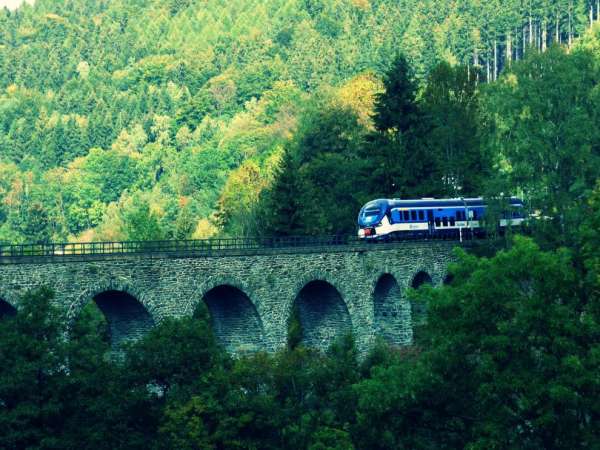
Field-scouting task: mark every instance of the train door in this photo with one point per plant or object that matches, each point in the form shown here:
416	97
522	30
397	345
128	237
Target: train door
430	221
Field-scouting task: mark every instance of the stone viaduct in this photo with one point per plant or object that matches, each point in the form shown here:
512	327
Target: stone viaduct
250	295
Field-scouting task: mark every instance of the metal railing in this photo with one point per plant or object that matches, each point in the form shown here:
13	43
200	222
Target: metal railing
198	247
203	247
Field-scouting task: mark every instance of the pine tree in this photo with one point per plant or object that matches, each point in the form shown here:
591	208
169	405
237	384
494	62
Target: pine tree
395	108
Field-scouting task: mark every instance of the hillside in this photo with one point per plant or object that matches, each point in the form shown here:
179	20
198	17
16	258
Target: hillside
149	119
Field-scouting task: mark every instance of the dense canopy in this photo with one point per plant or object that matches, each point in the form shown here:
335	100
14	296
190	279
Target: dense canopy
167	119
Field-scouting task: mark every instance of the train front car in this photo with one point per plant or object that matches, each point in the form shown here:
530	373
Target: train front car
385	219
371	218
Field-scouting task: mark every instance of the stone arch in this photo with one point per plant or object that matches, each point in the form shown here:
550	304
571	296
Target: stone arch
322	313
392	315
234	318
125	308
301	282
6	309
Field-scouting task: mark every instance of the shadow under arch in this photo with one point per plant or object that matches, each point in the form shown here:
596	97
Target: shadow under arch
322	313
6	309
448	279
127	318
419	309
234	318
420	279
392	315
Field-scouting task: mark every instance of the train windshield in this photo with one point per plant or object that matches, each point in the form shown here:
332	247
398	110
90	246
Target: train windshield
372	212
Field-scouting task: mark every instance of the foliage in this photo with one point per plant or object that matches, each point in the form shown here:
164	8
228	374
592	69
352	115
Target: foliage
508	358
186	102
315	191
540	117
509	362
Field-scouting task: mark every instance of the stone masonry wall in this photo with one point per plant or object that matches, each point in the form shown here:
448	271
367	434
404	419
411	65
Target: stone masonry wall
261	289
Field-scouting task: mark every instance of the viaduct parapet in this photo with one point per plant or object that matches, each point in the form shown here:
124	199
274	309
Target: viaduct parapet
250	295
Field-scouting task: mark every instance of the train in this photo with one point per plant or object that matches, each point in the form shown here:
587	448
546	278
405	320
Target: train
387	219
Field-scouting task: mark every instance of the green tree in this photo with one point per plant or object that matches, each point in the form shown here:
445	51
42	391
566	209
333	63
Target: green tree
399	163
509	361
31	374
142	224
540	121
395	108
317	190
450	106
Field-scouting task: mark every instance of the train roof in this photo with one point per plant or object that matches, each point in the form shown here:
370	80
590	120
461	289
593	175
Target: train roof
442	202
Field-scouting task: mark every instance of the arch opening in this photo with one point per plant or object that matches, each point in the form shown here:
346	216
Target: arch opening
392	312
6	309
235	320
323	315
420	279
127	319
419	309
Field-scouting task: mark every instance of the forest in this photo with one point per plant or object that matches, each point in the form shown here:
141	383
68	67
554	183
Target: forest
146	120
180	119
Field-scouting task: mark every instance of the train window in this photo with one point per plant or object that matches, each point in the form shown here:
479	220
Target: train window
437	222
421	215
413	215
460	215
452	221
406	216
475	214
445	221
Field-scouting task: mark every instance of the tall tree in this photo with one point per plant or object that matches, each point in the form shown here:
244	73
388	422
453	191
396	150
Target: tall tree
450	106
318	189
399	162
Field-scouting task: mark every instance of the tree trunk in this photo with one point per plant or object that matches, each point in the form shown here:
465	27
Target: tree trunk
487	64
557	35
570	22
591	14
544	35
495	60
530	27
509	49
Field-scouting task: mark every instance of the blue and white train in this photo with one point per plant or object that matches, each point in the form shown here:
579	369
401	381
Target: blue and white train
428	217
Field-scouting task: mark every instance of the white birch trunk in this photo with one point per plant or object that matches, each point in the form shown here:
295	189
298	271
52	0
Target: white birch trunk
557	34
509	49
495	60
570	23
544	35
